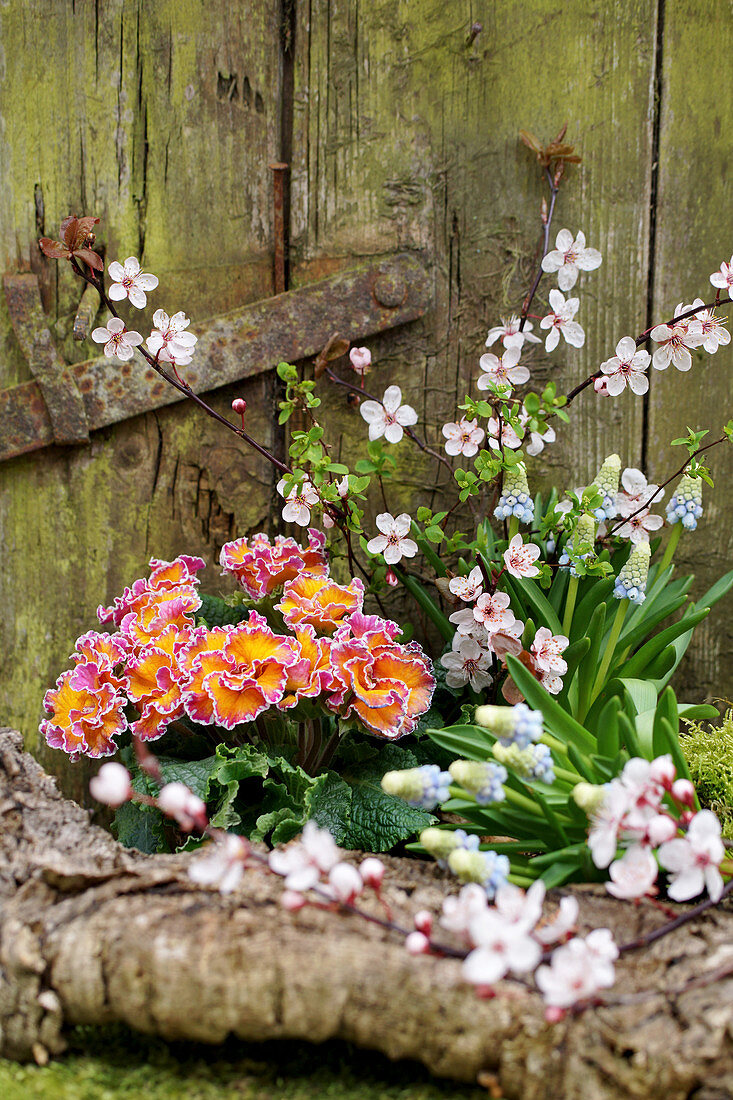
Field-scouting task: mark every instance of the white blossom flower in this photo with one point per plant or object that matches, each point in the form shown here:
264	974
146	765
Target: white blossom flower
361	360
300	500
519	558
111	785
634	874
627	368
372	872
502	371
509	437
117	340
537	442
561	320
467	663
177	801
520	907
303	861
459	911
637	525
493	612
389	416
345	882
675	341
723	279
221	863
463	438
637	489
547	649
606	824
169	341
501	945
393	543
569	258
694	859
564	922
509	334
467	588
713	328
576	972
128	281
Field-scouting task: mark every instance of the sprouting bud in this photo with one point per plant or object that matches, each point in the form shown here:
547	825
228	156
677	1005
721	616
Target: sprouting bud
486	868
532	762
372	871
482	779
111	785
416	943
515	499
361	359
422	787
600	385
606	482
424	921
516	724
239	405
589	796
683	792
685	506
631	581
391	578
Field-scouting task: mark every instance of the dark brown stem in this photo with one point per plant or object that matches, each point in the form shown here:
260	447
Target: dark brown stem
554	188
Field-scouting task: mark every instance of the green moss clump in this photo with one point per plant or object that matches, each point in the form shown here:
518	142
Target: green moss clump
709	754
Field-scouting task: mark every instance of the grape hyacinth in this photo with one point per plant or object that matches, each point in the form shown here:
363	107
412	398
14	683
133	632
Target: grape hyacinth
515	499
685	507
532	762
585	532
439	843
488	869
606	482
424	787
631	581
516	725
482	779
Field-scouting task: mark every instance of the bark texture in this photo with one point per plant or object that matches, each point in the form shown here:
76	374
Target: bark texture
92	933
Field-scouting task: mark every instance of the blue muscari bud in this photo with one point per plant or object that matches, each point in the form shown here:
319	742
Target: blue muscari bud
482	779
531	762
606	482
512	725
515	499
424	787
631	581
685	506
487	868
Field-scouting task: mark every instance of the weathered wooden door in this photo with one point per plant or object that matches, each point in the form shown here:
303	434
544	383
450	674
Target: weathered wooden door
399	121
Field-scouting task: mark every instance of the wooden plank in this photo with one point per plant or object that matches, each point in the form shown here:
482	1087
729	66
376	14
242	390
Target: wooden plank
693	210
161	119
406	136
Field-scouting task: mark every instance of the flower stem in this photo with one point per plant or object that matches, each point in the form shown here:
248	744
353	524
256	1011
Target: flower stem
674	538
610	646
570	606
513	527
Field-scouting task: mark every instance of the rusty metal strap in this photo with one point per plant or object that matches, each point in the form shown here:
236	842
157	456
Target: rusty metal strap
356	304
62	400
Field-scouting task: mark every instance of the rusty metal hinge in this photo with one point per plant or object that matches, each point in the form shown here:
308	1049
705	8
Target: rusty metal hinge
65	402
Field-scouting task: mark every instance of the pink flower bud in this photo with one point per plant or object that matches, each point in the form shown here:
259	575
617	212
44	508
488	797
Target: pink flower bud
663	771
600	385
342	486
361	359
328	521
292	900
391	579
683	792
111	785
417	944
178	802
346	882
661	829
424	921
554	1014
372	872
239	405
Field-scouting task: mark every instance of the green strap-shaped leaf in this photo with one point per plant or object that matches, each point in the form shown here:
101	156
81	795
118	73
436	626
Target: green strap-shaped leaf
558	721
428	605
636	666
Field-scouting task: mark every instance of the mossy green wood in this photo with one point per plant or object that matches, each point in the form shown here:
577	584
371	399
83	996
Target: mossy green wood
161	119
694	203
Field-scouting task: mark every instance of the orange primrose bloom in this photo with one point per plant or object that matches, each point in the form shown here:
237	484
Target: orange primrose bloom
86	713
261	567
153	683
165	576
320	602
312	674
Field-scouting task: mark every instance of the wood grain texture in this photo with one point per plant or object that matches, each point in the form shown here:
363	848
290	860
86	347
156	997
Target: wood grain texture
694	201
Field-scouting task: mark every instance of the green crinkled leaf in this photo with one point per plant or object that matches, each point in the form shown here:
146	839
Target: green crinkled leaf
379	820
328	803
196	774
139	827
280	825
217	612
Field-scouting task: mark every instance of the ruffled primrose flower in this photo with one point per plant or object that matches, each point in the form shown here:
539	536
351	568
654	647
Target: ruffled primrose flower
87	712
319	602
515	499
169	341
501	371
424	787
389	416
627	368
685	505
631	581
560	319
118	341
713	328
483	779
510	335
393	543
723	278
606	482
262	567
532	762
299	501
463	438
128	281
516	725
676	340
570	257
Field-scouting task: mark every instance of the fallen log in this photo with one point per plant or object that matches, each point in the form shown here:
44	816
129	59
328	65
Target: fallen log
92	933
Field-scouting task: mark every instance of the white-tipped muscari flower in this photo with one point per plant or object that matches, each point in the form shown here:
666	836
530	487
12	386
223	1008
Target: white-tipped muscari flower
685	507
631	581
512	725
422	787
441	842
515	499
606	482
482	779
584	534
487	868
532	762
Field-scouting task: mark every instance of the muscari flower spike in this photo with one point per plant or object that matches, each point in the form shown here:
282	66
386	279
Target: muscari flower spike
516	725
685	507
482	779
487	868
585	531
631	581
532	762
606	482
515	499
422	787
441	842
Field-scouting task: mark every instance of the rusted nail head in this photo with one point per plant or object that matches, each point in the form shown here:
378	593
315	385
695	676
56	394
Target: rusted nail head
390	291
